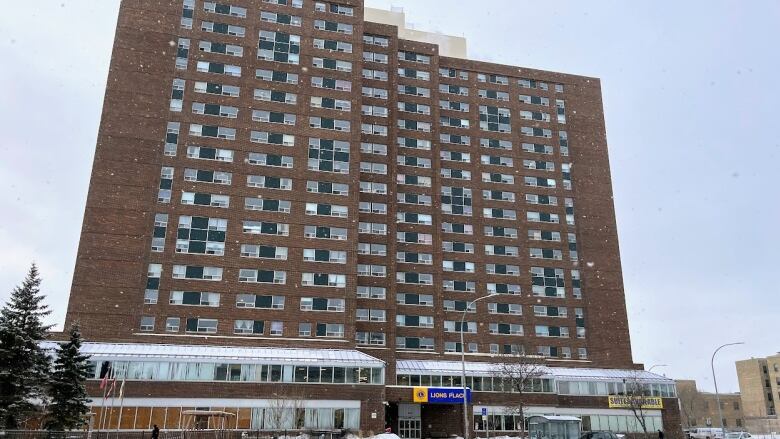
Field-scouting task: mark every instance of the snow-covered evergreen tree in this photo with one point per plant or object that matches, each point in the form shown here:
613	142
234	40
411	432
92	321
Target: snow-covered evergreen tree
24	365
67	391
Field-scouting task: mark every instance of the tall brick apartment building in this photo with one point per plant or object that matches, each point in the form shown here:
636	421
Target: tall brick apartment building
291	202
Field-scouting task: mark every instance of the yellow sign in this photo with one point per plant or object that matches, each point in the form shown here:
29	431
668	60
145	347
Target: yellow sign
645	402
420	394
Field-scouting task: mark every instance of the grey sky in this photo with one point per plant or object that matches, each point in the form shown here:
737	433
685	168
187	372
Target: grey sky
690	92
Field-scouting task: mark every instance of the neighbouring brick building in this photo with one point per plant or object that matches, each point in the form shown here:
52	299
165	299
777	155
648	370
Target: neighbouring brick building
759	387
286	192
700	409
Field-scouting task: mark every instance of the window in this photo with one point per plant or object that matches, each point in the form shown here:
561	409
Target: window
324	187
547	282
221	48
201	235
371	207
365	248
373	148
462	229
376	57
494	177
459	286
407	142
204	153
366	292
414	258
374	92
374	110
506	329
378	75
200	199
414	321
414	343
333	104
328	156
414	238
172	324
495	288
537	148
275	96
326	123
370	338
263	252
410	107
320	232
535	115
197	325
539	253
370	315
271	160
194	298
460	305
502	269
260	302
494	119
330	83
506	232
273	17
332	64
277	328
322	304
376	40
373	188
414	74
266	228
326	256
323	280
222	28
262	276
414	299
256	327
276	76
536	132
212	131
535	100
322	209
541	217
414	199
453	89
294	3
160	230
412	90
402	277
414	57
203	176
495	79
222	9
279	46
147	323
267	205
332	26
501	250
493	94
504	308
530	83
273	117
498	195
217	89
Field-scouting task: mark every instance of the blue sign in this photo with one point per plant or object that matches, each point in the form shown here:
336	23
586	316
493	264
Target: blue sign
484	411
440	395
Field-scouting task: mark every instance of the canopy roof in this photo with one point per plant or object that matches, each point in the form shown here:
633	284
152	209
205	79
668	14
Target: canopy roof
252	355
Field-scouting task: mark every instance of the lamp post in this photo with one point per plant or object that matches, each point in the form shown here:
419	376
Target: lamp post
715	381
656	365
463	366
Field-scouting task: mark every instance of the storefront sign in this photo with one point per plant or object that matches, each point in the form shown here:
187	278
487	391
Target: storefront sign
645	402
440	395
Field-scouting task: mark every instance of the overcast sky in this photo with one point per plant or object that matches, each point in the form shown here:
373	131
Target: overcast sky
690	95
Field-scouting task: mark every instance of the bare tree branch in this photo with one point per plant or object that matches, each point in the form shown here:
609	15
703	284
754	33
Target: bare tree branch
517	373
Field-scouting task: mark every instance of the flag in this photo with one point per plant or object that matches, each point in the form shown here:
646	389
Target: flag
104	381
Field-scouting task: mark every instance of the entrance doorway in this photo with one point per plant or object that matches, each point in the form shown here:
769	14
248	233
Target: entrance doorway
410	428
409	421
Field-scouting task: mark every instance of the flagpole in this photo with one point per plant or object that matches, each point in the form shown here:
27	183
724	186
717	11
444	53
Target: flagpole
111	411
121	404
104	386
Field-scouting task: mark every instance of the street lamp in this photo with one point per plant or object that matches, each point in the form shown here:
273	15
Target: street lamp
715	381
463	365
656	365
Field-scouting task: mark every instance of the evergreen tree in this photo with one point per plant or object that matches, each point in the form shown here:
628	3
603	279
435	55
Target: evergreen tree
24	365
67	391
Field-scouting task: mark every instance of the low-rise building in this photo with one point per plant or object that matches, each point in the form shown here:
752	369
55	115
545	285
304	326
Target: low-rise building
700	409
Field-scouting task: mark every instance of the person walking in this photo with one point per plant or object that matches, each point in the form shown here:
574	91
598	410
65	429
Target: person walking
156	432
660	434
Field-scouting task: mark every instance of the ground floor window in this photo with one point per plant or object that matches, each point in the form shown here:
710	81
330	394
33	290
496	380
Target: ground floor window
293	418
